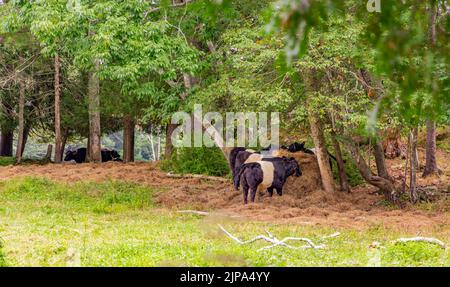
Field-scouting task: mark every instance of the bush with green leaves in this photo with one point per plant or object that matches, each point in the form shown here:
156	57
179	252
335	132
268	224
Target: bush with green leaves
4	161
208	161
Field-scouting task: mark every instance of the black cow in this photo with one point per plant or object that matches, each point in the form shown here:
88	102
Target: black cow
295	147
232	157
268	174
79	155
238	156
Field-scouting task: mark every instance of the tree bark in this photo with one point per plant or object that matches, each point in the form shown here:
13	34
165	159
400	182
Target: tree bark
321	152
94	116
6	143
48	155
431	167
20	136
413	165
128	139
88	149
158	150
380	161
58	136
385	186
64	141
152	144
26	133
343	180
169	146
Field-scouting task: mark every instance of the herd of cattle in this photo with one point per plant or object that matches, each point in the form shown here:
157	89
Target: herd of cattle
257	172
79	155
251	169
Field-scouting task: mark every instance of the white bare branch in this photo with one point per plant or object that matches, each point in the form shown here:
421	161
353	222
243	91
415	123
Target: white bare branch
193	212
275	241
336	234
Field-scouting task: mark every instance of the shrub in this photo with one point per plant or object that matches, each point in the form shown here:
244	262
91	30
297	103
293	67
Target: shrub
4	161
197	160
353	175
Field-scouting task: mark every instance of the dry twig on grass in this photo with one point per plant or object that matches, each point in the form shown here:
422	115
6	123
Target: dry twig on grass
276	242
421	239
193	212
336	234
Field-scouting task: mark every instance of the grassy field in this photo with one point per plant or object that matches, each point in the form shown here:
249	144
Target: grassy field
44	223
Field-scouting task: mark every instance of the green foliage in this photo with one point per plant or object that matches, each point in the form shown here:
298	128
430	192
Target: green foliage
208	161
353	174
399	39
5	161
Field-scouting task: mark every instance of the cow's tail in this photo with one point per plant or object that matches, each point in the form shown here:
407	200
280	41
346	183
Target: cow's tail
237	176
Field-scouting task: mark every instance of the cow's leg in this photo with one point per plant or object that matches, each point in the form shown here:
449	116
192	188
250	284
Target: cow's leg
253	194
245	192
270	190
279	191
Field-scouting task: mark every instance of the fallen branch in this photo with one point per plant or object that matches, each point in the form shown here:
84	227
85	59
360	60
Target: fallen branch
336	234
216	178
421	239
275	241
193	212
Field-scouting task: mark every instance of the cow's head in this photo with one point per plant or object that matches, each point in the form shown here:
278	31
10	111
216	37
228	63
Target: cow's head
115	155
70	155
295	147
292	167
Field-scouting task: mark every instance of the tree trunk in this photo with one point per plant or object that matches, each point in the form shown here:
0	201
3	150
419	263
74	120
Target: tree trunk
343	180
152	144
321	152
385	186
20	136
94	116
128	139
64	141
430	154
431	167
380	161
405	173
169	146
6	143
48	155
413	165
58	136
88	149
26	133
158	150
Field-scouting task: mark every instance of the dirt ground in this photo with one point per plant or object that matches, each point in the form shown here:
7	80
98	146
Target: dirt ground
303	202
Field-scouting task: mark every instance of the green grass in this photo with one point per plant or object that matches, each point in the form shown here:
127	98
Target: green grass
43	223
5	161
